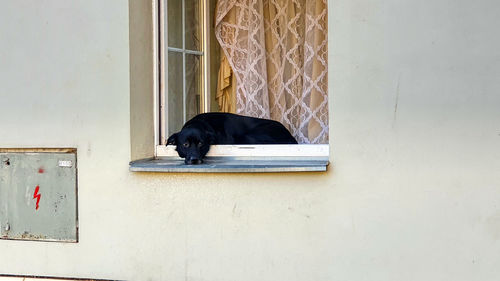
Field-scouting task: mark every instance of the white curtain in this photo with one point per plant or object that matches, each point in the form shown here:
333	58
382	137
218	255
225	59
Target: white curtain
278	51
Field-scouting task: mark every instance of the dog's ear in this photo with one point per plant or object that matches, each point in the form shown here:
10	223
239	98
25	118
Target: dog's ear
172	139
211	137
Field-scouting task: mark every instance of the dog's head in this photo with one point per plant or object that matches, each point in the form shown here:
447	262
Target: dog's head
192	144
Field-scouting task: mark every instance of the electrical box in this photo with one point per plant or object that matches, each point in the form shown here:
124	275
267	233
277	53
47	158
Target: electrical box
38	195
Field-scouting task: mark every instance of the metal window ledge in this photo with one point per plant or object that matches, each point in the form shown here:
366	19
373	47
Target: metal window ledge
232	165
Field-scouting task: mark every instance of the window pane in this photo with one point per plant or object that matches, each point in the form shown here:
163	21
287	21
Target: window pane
175	108
193	85
174	16
193	24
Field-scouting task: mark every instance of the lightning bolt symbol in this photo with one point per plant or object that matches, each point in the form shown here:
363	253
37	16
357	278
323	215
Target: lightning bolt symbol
37	196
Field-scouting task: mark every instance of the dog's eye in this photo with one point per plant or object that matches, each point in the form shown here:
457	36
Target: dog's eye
186	144
200	144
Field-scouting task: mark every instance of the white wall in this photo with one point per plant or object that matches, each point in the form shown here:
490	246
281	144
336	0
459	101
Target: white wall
413	192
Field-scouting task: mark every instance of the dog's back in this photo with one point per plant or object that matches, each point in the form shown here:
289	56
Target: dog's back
237	129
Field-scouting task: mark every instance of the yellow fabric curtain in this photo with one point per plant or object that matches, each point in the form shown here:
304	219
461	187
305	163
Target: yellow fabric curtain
226	87
277	50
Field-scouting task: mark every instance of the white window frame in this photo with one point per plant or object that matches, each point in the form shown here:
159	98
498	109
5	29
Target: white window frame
267	151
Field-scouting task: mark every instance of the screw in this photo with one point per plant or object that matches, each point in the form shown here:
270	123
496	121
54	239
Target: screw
7	227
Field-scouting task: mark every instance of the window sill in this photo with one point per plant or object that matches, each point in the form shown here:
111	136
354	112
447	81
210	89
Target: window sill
257	151
232	165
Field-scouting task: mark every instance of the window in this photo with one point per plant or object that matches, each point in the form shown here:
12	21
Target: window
184	62
189	58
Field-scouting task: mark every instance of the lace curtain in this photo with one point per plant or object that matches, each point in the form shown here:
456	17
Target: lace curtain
277	50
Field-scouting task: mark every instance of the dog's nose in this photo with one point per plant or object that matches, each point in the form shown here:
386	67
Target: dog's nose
193	161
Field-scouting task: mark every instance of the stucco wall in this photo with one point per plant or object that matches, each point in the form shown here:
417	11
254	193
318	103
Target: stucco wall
413	192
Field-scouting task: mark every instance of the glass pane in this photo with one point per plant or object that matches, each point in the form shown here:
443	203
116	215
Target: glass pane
175	108
193	85
174	17
193	24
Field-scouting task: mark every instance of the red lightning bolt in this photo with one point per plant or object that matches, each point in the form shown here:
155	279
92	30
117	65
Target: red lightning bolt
37	196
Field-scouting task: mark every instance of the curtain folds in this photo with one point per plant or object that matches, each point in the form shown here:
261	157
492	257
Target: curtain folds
226	87
277	50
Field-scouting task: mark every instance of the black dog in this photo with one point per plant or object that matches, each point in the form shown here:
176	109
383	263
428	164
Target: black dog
196	136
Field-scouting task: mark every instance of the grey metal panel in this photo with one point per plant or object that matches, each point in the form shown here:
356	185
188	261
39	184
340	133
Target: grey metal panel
24	176
230	164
